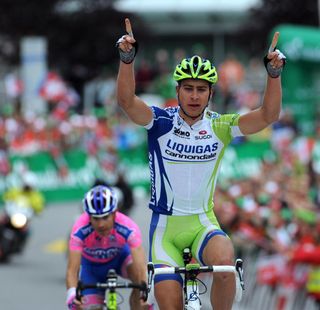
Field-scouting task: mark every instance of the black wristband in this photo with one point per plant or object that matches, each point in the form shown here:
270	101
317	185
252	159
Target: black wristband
128	57
274	72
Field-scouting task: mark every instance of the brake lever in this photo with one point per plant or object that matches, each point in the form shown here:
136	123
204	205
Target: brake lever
79	291
239	269
150	268
144	292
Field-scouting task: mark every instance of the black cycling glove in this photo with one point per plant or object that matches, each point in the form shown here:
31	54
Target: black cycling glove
127	57
274	72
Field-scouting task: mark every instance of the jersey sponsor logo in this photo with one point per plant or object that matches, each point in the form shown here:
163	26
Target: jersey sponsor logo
123	230
181	133
187	148
102	253
85	231
171	110
193	296
179	121
191	152
203	137
153	189
212	115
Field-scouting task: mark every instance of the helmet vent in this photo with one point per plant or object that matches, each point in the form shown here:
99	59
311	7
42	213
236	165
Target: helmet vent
196	67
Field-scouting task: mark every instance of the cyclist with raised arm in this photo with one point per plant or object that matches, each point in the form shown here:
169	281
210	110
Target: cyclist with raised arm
102	238
186	147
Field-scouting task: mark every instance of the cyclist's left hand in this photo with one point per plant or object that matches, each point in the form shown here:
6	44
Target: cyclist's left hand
126	42
277	59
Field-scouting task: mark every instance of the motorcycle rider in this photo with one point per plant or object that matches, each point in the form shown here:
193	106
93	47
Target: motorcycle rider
18	201
34	198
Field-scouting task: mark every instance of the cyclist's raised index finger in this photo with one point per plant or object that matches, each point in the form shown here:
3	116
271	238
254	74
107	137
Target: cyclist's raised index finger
274	42
128	27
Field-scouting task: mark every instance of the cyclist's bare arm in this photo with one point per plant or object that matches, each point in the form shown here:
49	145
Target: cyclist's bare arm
137	272
269	112
74	261
140	263
137	110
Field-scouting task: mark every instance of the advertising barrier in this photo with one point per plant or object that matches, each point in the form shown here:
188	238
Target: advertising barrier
240	161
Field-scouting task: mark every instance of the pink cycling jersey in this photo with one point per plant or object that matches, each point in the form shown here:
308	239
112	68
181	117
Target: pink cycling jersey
102	249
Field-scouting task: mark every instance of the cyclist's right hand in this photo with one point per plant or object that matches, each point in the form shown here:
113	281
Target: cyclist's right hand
74	305
125	43
72	302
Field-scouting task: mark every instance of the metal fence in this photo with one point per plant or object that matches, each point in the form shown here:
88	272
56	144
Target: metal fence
267	297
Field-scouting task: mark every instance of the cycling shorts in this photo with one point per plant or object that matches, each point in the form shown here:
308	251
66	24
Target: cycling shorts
170	235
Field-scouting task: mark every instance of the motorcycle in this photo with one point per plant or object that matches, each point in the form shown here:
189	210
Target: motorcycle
14	227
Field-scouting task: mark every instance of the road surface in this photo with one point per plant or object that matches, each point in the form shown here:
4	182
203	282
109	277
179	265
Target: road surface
36	279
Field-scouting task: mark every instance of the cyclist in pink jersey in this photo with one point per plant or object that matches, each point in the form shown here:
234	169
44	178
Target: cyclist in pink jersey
102	239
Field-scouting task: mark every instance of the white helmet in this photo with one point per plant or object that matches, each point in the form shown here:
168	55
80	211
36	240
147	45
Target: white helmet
100	201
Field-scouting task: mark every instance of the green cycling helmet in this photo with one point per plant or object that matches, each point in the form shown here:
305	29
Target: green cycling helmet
196	68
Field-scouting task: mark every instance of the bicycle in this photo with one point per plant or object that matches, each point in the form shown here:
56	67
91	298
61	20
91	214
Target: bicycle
111	285
191	283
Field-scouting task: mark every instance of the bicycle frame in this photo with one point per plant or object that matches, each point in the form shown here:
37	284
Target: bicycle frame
110	286
111	297
111	300
191	271
191	288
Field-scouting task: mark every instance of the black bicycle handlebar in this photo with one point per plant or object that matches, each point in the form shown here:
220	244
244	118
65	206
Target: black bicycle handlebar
112	285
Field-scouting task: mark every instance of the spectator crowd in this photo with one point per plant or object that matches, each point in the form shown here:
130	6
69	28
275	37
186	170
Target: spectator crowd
272	217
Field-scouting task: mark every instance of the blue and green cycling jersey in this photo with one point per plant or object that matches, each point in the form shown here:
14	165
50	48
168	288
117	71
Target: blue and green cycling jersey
185	160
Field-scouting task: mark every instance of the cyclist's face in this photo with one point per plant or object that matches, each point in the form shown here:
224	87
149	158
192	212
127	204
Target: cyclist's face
193	95
103	225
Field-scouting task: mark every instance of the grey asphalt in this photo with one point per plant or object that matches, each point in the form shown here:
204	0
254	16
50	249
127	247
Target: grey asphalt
36	279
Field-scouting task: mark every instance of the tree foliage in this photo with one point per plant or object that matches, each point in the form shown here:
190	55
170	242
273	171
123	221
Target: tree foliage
254	33
81	34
